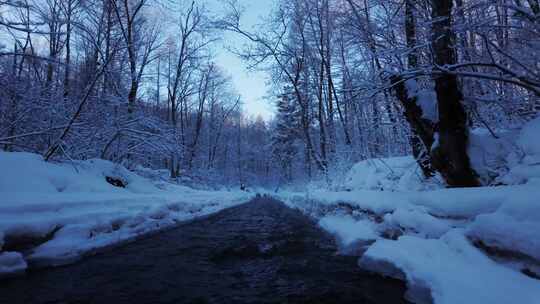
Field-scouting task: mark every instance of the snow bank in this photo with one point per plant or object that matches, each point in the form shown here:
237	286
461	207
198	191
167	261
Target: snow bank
394	174
429	238
416	220
513	157
488	155
515	226
475	245
27	173
524	164
379	202
348	230
52	214
528	138
453	270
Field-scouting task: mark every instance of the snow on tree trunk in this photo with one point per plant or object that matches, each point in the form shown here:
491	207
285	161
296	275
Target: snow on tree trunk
422	128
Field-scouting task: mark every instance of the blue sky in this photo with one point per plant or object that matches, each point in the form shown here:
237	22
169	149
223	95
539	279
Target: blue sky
251	85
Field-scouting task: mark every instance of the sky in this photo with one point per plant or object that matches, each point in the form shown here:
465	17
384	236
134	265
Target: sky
250	84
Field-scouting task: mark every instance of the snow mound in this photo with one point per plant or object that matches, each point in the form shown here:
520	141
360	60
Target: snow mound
54	213
488	155
349	232
396	173
26	172
528	138
454	271
416	221
514	227
509	157
524	164
473	245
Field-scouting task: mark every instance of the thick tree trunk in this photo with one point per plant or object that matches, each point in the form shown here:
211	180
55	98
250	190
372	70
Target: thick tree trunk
449	156
422	129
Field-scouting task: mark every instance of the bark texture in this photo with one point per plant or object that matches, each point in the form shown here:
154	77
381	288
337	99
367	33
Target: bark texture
450	156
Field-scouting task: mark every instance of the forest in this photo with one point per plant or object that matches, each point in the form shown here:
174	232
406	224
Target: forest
408	130
351	80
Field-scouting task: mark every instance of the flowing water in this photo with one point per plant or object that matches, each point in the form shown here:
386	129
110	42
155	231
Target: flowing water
258	252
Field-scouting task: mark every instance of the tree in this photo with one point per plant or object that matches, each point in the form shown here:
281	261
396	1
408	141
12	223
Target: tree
449	155
193	32
284	136
140	42
422	129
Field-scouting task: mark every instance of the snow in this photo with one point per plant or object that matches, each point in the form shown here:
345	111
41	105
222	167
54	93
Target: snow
11	263
379	202
473	245
454	270
515	226
525	163
397	173
488	154
425	98
528	138
347	229
417	220
70	210
435	232
463	202
27	173
436	141
456	245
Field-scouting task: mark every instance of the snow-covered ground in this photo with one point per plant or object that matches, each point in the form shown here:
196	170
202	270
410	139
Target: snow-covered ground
53	213
477	245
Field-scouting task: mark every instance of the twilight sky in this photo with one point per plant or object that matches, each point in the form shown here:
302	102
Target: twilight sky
251	85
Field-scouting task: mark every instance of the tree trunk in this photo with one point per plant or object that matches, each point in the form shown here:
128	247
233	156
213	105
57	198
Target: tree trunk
450	156
68	48
422	129
535	7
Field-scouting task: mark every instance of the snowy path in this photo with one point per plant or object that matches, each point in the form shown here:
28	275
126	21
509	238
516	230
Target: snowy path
258	252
